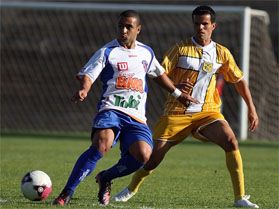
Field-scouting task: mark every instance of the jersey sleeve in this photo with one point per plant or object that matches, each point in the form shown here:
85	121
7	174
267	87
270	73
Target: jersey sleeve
229	69
170	59
94	66
155	69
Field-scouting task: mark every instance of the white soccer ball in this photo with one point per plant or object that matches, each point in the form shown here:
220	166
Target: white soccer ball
36	185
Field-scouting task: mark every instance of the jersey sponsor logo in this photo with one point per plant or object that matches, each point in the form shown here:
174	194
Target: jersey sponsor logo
207	67
132	55
130	83
122	66
131	102
145	65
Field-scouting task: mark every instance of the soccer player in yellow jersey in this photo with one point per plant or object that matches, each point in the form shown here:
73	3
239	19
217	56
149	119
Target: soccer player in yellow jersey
196	62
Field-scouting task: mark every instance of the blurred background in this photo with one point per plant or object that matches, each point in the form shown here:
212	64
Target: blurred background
270	6
43	46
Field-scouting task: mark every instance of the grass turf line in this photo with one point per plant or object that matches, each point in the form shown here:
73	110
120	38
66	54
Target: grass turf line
192	176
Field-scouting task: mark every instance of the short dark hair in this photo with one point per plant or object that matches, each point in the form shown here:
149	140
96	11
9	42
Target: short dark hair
204	10
131	13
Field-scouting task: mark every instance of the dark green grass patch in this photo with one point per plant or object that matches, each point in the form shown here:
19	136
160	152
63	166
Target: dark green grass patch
192	176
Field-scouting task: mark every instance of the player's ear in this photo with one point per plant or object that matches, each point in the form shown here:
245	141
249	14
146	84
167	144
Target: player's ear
214	26
139	28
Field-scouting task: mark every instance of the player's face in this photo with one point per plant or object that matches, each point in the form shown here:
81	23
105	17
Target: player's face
203	28
128	30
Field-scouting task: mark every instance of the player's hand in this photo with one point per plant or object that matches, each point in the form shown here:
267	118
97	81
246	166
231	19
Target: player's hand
253	120
185	87
79	96
186	99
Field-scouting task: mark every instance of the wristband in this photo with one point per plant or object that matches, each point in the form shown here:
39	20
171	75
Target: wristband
176	93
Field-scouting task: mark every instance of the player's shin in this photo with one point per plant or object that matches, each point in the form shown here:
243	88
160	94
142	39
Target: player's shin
125	166
234	165
84	166
138	179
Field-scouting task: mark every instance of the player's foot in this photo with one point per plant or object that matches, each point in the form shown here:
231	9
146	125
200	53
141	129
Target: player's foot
245	203
63	199
124	195
104	189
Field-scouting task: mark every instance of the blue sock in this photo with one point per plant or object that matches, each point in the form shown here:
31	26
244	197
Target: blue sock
125	166
84	166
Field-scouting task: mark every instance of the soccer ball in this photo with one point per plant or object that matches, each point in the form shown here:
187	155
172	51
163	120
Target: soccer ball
36	185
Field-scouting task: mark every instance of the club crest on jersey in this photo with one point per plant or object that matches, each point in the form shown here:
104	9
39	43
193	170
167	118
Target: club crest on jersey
122	66
207	67
145	65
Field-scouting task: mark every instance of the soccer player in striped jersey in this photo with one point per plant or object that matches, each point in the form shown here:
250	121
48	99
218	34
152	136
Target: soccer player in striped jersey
122	65
198	60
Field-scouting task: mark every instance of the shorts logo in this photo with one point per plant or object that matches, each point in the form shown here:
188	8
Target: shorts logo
207	67
122	66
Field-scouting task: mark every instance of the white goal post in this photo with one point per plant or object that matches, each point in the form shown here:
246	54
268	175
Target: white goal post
244	12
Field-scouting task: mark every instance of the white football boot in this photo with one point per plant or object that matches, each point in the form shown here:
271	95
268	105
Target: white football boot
245	203
124	195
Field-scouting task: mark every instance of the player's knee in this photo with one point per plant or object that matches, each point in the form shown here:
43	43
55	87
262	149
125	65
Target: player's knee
141	151
142	155
102	139
230	144
155	159
102	146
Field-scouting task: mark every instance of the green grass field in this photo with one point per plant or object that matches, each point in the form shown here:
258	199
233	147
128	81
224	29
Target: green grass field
193	174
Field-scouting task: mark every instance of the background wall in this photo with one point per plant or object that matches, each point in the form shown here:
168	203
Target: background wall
42	50
270	6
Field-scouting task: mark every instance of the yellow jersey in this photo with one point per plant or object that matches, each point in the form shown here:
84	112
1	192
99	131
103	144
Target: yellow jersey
199	64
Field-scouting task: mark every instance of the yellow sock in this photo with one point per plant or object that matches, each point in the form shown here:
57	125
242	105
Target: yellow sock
234	165
137	179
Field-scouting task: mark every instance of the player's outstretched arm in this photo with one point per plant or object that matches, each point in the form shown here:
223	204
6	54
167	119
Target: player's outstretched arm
243	89
182	96
85	85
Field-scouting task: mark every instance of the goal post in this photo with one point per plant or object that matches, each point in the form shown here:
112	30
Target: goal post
244	64
43	39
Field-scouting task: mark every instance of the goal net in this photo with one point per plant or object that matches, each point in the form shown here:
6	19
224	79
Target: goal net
43	46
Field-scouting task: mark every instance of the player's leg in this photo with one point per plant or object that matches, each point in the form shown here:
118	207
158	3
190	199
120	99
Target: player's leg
84	166
159	151
138	154
102	139
136	147
220	133
169	131
168	128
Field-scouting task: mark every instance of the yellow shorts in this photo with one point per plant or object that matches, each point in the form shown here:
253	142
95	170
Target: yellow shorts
176	128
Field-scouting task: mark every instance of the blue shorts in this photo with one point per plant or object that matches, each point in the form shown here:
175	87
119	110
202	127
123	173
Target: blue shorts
126	129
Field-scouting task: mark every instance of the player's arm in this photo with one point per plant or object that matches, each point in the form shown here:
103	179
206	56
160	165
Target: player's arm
185	87
85	85
243	89
164	81
88	74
